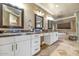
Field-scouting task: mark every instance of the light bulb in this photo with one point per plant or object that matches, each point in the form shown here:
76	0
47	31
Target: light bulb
57	5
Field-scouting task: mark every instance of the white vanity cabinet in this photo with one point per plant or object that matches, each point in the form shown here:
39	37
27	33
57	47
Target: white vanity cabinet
50	38
6	46
54	37
35	43
22	45
15	46
47	38
6	50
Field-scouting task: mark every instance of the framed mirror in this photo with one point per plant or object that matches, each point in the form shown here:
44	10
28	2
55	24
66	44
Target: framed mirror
50	24
11	16
64	25
38	22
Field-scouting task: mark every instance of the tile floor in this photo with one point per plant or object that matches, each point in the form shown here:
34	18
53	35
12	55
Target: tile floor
61	48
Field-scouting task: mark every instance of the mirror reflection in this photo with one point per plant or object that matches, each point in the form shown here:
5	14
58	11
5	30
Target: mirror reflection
11	16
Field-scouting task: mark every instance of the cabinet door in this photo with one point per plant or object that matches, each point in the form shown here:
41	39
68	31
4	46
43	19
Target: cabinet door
55	36
47	39
51	38
6	50
22	48
6	46
35	47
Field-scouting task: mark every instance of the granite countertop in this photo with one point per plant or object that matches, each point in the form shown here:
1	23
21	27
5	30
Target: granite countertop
21	33
17	34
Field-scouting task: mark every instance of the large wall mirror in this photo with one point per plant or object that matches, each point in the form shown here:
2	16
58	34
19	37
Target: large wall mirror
38	22
11	16
50	23
64	25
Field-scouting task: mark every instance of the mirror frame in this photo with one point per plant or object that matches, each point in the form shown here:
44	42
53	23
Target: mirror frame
50	24
37	20
1	16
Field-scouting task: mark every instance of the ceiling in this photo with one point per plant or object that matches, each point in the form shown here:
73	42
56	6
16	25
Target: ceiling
59	10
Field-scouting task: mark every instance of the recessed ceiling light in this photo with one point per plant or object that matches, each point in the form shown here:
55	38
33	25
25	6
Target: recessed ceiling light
57	6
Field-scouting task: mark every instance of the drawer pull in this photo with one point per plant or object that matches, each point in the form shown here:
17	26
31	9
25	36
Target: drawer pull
36	49
16	46
12	47
36	42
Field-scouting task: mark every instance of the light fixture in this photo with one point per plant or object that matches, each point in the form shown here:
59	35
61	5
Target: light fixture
56	6
50	18
38	12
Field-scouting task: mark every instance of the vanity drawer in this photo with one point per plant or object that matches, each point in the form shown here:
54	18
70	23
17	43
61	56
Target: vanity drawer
46	34
36	42
36	36
22	37
35	49
6	40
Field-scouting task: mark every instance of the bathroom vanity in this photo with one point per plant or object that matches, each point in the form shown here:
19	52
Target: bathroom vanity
21	44
50	38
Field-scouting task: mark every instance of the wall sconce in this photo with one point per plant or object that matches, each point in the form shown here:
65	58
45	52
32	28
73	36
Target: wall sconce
40	13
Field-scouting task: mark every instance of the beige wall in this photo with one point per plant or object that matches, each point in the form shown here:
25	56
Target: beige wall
28	17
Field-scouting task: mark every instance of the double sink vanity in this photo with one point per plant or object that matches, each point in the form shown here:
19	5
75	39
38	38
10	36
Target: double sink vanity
24	44
19	44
